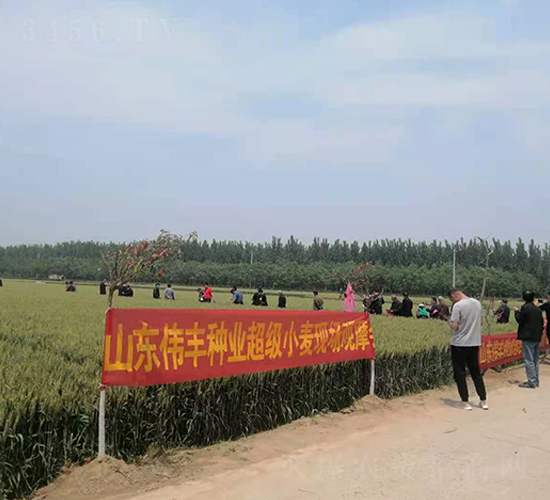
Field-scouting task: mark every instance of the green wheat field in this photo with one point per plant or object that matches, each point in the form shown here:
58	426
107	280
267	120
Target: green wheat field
51	345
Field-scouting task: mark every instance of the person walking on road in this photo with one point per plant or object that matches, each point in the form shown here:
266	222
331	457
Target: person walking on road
465	323
318	303
531	325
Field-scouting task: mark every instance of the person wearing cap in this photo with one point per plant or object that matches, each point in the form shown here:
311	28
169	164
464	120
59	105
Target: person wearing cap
422	312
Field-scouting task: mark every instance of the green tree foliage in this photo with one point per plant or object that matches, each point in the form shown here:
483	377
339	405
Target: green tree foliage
399	265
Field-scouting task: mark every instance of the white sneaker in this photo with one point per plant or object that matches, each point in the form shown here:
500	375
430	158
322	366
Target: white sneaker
483	405
467	406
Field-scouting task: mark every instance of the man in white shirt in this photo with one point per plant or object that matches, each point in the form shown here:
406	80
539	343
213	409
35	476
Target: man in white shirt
465	323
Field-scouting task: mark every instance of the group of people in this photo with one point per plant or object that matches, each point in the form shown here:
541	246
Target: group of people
206	294
530	320
374	304
439	309
402	308
126	291
169	293
466	321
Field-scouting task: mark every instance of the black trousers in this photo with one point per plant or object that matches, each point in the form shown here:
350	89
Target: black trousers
467	357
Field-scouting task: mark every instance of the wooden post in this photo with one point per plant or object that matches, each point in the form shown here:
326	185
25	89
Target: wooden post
101	451
371	388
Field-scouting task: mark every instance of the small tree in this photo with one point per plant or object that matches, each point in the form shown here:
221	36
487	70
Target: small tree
489	315
489	250
360	279
129	262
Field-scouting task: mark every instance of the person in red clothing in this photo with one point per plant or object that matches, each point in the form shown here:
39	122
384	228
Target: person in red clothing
208	295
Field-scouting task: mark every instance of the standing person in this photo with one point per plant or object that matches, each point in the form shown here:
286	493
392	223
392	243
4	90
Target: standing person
395	307
169	293
444	311
434	308
546	308
263	299
318	303
208	295
237	297
282	301
103	287
503	313
366	304
256	298
531	326
156	291
466	326
406	307
349	301
200	291
259	298
376	303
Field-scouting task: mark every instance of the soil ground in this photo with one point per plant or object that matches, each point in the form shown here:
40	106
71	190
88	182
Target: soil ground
417	447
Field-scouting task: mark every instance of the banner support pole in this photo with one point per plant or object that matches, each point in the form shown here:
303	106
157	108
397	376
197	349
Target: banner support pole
371	388
101	450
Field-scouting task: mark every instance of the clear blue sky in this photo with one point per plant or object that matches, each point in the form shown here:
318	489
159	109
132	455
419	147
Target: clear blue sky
243	119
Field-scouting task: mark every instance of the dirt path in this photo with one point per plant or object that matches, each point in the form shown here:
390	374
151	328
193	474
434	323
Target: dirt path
420	447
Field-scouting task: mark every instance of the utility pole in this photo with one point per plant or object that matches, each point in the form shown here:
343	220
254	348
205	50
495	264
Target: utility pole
454	267
251	262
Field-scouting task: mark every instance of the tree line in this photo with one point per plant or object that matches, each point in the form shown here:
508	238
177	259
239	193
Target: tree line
398	265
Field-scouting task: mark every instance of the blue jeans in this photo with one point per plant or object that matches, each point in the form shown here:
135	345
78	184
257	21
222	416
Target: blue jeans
531	358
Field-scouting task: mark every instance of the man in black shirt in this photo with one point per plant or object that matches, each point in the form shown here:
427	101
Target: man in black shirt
259	298
503	313
406	307
395	307
546	308
530	329
376	303
282	301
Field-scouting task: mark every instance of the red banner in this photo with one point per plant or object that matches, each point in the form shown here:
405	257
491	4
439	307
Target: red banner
499	350
163	346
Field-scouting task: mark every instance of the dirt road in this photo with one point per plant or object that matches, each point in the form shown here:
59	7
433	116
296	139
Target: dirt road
420	447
